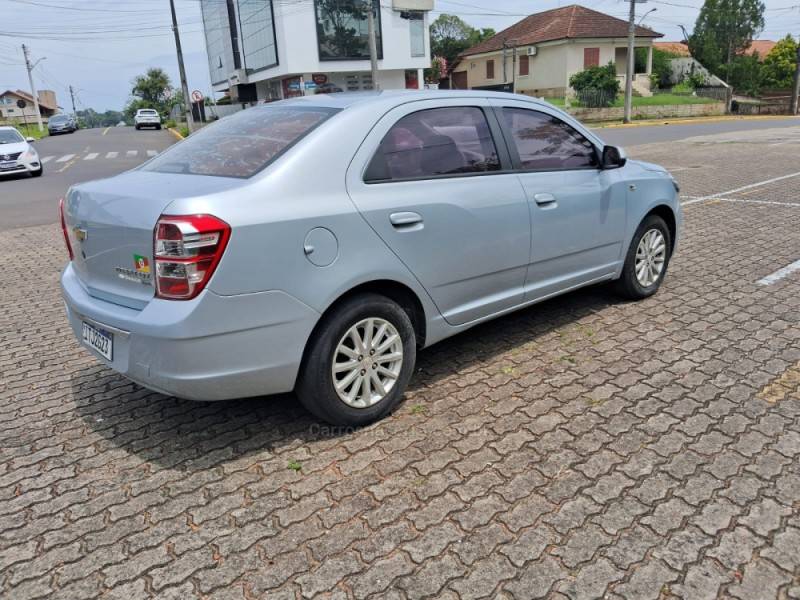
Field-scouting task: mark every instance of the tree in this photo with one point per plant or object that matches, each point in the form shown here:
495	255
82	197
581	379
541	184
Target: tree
723	31
596	86
450	36
152	90
780	64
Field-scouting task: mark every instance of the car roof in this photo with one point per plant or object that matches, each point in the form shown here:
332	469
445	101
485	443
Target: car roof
396	97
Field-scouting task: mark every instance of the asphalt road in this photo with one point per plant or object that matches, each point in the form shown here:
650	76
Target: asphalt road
650	134
73	158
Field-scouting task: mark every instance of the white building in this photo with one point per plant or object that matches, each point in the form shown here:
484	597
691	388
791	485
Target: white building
274	49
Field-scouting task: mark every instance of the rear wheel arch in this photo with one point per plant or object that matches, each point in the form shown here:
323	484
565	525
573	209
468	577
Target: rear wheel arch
398	292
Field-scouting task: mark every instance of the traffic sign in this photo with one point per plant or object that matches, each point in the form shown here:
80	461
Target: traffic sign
197	96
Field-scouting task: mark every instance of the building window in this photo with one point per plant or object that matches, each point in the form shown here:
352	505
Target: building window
524	65
217	32
591	57
342	30
416	28
490	69
257	35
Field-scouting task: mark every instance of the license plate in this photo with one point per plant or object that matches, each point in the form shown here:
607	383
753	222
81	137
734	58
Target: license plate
8	165
98	339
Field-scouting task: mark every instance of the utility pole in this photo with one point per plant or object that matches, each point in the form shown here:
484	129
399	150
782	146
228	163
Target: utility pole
72	96
796	90
373	45
631	64
34	93
187	107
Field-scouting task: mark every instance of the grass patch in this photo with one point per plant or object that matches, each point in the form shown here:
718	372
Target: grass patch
294	466
32	130
654	100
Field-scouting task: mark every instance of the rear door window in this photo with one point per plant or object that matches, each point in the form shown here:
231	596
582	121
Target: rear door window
430	143
242	144
544	142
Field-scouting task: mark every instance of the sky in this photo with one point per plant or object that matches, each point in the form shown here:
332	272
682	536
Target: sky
99	46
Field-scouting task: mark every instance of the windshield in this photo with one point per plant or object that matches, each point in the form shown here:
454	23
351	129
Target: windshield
58	119
242	144
10	136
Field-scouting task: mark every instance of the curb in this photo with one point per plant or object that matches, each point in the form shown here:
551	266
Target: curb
688	120
176	133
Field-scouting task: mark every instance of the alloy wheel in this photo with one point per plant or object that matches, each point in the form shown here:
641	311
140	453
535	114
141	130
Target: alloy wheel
651	255
367	362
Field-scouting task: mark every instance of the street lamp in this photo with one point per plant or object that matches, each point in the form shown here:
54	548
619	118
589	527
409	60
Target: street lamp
652	10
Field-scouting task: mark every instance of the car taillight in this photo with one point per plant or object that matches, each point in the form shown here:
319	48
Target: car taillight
64	228
186	250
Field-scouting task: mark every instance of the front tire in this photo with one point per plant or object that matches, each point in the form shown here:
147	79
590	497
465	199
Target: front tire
37	173
358	362
647	259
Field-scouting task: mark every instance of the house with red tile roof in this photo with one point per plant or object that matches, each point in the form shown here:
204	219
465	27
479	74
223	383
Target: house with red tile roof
763	48
539	54
9	110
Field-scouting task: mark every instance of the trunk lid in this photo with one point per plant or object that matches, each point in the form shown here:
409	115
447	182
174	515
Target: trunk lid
110	225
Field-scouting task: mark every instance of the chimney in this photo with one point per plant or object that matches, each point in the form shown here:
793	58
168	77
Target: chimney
48	98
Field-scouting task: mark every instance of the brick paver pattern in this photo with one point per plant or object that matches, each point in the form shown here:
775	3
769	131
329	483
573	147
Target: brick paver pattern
582	448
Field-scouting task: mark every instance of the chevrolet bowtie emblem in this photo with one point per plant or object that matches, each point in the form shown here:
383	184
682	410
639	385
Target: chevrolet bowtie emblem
81	234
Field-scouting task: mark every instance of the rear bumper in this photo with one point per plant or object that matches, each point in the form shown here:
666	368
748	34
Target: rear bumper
210	348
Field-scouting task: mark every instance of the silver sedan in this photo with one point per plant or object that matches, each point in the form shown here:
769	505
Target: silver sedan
317	244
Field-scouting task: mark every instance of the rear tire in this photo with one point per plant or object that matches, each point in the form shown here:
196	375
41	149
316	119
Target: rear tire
334	341
647	259
158	127
136	127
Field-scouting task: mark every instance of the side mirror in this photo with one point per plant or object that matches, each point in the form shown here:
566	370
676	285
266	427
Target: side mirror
30	140
613	157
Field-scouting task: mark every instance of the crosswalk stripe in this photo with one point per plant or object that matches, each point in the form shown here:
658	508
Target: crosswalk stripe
112	155
91	156
132	152
151	153
65	158
47	159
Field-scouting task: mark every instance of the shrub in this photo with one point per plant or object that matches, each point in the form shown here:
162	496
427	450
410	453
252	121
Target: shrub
169	124
596	86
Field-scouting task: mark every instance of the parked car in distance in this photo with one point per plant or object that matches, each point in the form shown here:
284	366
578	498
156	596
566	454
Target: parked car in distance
17	154
315	244
147	117
61	124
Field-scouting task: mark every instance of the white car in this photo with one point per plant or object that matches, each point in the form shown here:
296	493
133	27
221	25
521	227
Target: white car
17	155
147	117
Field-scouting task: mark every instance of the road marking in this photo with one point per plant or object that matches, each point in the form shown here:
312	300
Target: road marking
47	159
112	155
91	156
780	274
105	131
741	189
65	158
69	164
151	153
132	152
743	200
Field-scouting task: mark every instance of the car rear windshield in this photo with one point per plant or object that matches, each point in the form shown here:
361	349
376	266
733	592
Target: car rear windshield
58	119
10	136
242	144
147	112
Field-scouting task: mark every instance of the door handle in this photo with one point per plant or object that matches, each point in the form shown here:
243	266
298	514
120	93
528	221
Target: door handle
406	220
542	199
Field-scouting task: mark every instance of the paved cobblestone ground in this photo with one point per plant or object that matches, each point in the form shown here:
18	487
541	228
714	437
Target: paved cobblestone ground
581	448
